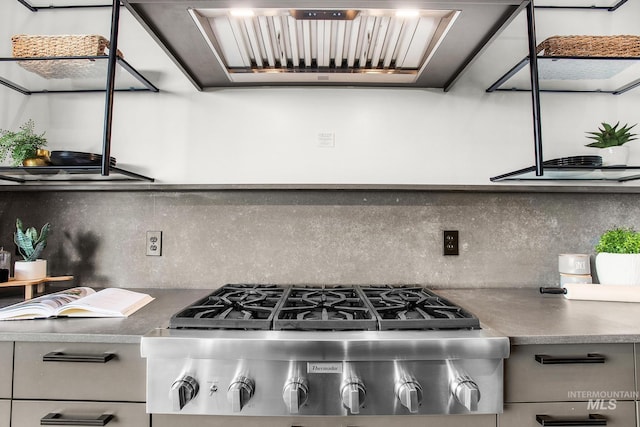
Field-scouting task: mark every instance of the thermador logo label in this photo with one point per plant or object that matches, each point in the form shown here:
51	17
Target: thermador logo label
324	368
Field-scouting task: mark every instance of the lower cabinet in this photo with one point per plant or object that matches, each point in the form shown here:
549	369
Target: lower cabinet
568	372
6	369
5	412
570	385
86	371
6	382
400	421
617	414
31	413
81	384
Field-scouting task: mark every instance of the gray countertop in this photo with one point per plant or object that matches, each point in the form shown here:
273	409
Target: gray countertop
117	330
523	315
528	317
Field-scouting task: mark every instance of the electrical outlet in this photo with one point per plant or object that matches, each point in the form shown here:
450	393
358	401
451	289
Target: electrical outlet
450	242
154	243
326	140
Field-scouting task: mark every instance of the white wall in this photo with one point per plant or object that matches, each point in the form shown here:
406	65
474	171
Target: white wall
269	135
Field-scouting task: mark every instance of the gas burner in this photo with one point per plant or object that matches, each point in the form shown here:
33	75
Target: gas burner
232	307
413	307
326	308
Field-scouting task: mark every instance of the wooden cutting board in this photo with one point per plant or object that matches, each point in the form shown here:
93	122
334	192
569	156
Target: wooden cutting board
588	292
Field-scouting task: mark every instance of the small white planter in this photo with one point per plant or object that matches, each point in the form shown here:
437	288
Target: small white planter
30	270
614	156
618	269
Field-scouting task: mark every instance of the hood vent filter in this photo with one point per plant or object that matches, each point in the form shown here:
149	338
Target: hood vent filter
281	45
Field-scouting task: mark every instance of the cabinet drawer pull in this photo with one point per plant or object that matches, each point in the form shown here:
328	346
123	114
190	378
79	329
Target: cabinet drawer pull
57	356
545	359
593	420
55	419
557	291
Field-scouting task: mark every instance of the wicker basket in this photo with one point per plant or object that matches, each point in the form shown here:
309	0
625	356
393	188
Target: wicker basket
611	46
30	46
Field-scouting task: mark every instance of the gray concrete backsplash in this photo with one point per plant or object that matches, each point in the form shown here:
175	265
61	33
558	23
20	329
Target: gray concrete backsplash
314	237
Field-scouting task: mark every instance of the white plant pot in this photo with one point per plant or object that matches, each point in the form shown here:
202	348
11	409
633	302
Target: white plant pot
618	269
30	270
614	156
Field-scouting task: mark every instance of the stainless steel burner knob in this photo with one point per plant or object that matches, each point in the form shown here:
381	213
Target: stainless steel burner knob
409	392
183	391
466	392
239	392
295	394
353	394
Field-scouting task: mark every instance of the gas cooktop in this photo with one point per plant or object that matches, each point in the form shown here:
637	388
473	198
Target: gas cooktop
316	308
271	350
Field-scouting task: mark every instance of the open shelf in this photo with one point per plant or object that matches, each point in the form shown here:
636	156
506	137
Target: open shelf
602	5
57	74
573	173
69	74
613	75
37	5
67	173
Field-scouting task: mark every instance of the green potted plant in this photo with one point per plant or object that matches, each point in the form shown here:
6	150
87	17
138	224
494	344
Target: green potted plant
610	140
22	145
30	246
618	257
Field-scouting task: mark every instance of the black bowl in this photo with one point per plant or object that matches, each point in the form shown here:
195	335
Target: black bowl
592	161
77	158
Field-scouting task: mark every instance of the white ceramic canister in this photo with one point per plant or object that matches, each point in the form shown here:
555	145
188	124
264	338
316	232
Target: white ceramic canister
574	264
575	278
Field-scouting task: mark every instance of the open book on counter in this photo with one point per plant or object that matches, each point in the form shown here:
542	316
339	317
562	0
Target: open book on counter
78	302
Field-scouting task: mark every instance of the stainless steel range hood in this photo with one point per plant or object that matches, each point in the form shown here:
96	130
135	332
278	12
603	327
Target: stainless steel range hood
305	42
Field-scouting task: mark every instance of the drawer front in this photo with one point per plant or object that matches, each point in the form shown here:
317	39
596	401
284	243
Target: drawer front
6	369
31	413
637	353
616	413
403	421
5	413
79	371
567	374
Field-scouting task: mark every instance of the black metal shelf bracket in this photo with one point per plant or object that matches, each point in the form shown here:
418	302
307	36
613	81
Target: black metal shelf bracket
512	72
535	90
33	8
14	86
111	79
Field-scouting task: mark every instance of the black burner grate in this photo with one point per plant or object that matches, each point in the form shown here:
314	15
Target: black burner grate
338	308
232	307
325	308
414	307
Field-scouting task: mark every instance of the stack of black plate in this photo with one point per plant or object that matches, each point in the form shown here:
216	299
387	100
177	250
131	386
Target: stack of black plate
77	158
588	161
